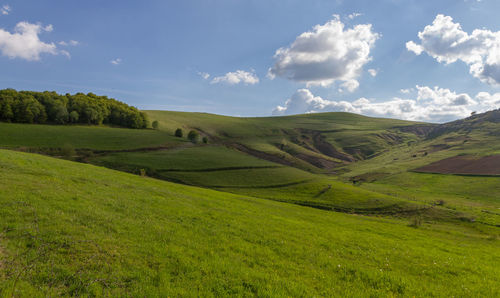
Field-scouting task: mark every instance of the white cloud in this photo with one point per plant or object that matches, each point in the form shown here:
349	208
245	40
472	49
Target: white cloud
48	28
65	53
70	43
445	41
25	43
204	75
432	104
5	10
116	61
406	91
303	101
441	96
349	86
354	15
239	76
326	54
372	72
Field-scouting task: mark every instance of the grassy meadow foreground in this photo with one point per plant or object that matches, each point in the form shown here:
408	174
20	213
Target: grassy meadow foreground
331	204
75	229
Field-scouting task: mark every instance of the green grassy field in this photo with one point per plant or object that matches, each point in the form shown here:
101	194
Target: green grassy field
74	229
287	136
14	135
284	160
230	170
191	158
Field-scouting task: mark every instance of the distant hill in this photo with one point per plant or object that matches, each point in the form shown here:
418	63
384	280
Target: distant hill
489	121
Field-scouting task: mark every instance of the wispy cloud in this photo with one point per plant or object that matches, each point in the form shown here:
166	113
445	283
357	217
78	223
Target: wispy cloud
237	77
5	9
372	72
204	75
354	15
69	43
116	61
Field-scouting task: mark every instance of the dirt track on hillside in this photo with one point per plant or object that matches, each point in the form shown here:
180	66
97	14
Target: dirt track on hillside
466	165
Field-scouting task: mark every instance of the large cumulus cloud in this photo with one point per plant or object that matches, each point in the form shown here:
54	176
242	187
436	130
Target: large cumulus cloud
327	54
431	104
25	43
445	41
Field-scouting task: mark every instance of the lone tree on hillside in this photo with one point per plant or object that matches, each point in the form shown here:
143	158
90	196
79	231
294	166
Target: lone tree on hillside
178	133
193	136
155	124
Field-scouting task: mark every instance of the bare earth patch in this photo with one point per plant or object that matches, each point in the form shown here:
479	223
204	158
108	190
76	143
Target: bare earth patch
467	165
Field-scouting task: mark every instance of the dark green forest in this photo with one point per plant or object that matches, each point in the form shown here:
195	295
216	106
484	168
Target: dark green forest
50	107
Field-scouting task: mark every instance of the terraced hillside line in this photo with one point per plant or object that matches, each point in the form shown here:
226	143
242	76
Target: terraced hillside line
464	165
262	186
145	149
261	154
421	130
217	169
317	161
323	191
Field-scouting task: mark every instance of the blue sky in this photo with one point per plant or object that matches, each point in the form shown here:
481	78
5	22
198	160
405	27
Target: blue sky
155	55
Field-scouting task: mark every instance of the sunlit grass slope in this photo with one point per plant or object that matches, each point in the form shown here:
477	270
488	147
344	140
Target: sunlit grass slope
227	169
392	173
292	137
89	137
74	229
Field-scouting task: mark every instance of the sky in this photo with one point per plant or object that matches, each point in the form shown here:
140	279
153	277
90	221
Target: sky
432	61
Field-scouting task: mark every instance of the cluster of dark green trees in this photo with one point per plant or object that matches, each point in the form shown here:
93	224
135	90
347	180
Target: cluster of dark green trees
50	107
193	136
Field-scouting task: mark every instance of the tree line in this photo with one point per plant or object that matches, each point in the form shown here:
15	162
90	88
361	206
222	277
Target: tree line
50	107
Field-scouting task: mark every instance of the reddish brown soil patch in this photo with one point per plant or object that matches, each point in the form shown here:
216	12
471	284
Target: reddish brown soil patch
467	165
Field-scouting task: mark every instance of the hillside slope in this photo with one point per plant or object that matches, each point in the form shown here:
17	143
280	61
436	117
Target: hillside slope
335	161
310	142
74	229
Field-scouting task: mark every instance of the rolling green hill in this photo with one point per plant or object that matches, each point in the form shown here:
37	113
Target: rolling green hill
74	229
306	141
334	161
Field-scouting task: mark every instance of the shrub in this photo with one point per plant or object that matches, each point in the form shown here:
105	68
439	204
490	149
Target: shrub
178	133
416	221
155	124
205	140
68	151
193	136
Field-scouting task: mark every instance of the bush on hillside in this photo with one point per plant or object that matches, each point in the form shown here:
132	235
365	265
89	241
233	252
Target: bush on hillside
155	124
50	107
178	133
205	140
193	136
68	151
